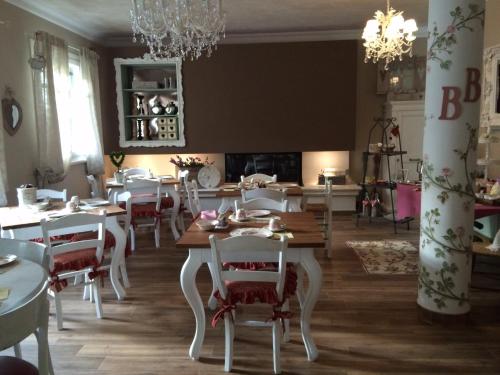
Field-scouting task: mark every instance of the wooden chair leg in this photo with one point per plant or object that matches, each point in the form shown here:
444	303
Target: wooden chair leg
157	234
229	335
96	287
17	351
59	310
286	334
276	346
123	271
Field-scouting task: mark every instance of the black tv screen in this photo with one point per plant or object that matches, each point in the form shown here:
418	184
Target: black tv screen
286	165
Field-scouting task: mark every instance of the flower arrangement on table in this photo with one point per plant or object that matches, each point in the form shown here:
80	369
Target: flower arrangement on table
189	162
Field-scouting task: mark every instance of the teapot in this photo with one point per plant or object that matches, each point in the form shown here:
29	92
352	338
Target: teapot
171	109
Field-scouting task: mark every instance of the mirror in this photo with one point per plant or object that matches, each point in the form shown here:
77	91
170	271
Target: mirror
490	109
12	113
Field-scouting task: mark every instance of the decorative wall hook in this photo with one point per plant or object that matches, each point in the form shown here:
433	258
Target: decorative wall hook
12	112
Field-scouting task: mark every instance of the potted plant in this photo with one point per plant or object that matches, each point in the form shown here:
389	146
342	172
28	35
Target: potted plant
191	163
117	158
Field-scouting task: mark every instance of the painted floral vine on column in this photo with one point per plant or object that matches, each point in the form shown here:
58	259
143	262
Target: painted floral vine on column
443	42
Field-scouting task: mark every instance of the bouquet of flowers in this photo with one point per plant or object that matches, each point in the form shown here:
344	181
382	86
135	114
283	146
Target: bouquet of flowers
189	162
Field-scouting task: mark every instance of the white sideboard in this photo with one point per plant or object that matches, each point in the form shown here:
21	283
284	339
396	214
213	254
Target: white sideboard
344	197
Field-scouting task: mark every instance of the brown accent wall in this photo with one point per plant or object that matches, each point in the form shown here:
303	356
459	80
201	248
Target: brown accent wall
260	98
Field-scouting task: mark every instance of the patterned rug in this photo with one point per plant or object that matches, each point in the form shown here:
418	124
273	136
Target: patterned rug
388	257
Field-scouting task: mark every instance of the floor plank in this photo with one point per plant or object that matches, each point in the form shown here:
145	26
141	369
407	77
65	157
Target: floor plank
362	324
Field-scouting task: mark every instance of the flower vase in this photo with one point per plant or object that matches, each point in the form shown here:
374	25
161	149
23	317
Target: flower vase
119	177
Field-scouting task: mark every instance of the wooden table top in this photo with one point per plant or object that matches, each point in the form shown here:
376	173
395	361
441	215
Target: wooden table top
23	217
164	181
304	227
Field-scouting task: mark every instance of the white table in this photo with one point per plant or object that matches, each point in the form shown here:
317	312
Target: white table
26	310
24	224
307	237
168	186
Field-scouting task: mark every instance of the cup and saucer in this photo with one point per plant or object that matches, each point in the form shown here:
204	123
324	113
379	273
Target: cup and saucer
275	225
240	215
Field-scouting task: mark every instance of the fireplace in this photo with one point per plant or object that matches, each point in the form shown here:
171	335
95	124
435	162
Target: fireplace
286	165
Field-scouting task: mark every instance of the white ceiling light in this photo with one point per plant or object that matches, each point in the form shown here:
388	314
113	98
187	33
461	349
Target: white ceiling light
388	36
178	28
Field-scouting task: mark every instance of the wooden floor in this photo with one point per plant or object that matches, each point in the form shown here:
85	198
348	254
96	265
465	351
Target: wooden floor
362	323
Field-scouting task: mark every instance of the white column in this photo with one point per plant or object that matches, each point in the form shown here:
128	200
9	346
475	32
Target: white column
454	51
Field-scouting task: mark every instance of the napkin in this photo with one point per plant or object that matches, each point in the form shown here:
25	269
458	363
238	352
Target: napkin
4	293
208	214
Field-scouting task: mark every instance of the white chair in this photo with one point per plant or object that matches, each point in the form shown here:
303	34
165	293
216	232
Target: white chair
146	206
75	258
52	194
137	171
96	188
262	204
271	283
32	316
194	204
276	195
260	177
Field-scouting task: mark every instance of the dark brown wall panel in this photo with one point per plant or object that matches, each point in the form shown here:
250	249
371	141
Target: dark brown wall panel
262	98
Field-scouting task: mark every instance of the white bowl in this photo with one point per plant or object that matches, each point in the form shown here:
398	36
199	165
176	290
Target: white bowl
205	224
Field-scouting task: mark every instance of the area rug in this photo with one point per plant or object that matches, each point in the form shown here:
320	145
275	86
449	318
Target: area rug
388	257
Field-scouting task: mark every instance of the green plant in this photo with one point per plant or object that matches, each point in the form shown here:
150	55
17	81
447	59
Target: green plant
117	158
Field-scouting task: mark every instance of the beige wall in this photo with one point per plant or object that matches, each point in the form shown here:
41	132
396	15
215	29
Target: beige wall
15	72
312	163
492	23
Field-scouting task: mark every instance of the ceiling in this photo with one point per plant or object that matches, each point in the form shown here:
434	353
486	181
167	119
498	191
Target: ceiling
108	20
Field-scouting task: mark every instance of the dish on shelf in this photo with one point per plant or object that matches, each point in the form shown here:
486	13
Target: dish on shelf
258	232
209	176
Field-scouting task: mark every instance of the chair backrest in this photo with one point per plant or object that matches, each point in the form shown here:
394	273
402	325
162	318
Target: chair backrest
262	204
137	171
144	191
275	195
96	188
74	223
52	194
259	177
248	248
194	204
125	197
35	252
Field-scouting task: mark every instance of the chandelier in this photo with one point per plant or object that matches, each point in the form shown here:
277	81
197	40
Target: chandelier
178	28
388	36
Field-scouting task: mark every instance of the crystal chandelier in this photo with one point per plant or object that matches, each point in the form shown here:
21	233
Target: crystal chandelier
388	36
178	28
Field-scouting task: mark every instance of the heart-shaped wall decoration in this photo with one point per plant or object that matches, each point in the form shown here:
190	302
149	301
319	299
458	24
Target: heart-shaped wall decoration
117	158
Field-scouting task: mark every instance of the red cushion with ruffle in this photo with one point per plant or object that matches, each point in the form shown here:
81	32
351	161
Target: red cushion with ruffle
249	292
109	240
64	237
75	261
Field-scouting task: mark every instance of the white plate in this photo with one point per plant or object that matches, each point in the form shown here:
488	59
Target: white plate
209	176
7	259
257	213
259	232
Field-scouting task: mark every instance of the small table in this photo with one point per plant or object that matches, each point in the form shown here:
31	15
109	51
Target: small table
26	309
168	185
307	236
23	223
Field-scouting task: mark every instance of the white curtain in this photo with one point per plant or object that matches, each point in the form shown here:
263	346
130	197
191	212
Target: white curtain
3	172
51	89
90	90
